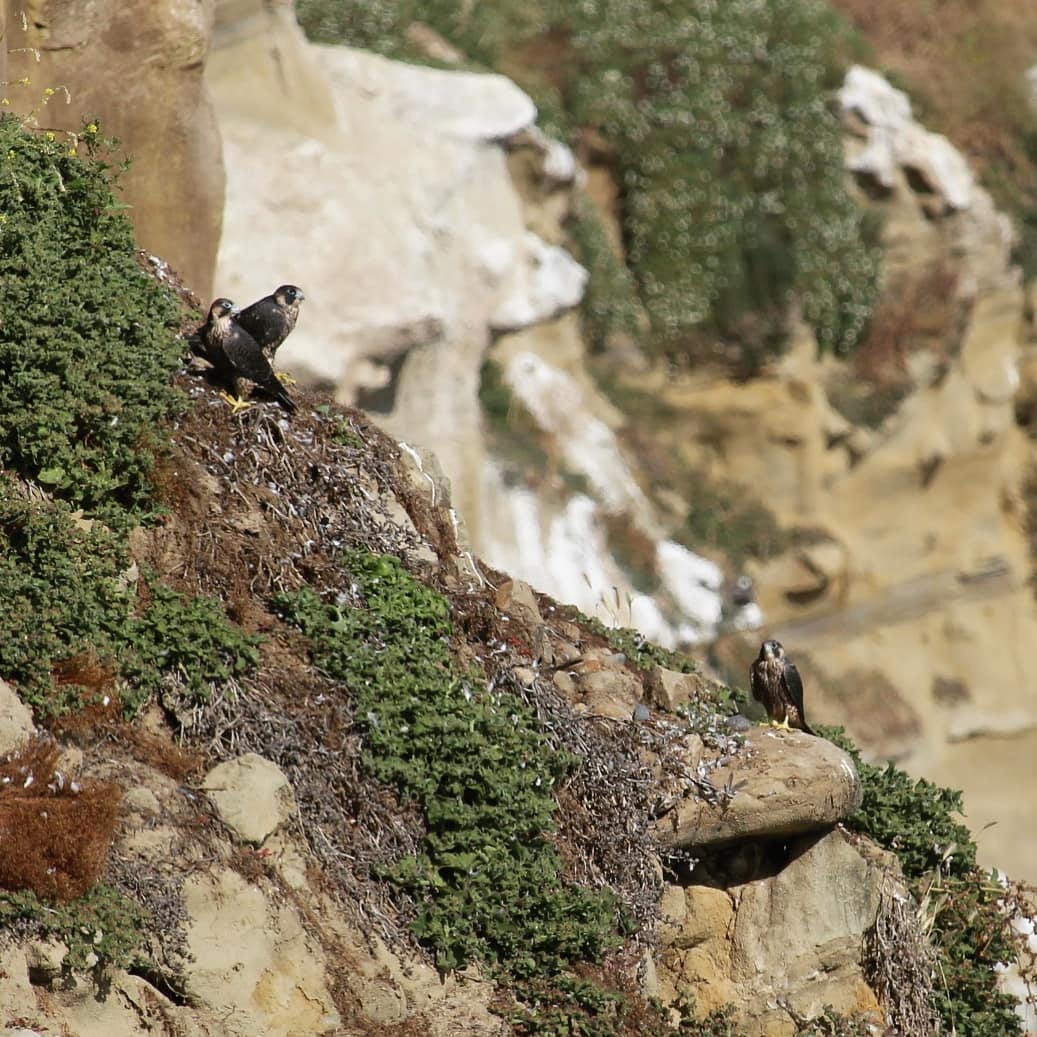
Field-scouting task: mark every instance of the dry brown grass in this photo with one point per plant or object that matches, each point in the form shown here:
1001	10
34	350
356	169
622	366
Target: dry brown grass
54	832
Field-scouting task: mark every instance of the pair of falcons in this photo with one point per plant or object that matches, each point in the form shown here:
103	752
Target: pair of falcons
242	343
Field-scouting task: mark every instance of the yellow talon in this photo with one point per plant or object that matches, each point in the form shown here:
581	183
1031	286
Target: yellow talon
284	378
237	404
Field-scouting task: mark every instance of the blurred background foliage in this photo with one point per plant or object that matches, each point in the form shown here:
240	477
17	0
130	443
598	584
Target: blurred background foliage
714	121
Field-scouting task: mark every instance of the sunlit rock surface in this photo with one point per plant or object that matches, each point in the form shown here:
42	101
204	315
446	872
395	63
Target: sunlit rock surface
896	141
783	783
137	66
907	605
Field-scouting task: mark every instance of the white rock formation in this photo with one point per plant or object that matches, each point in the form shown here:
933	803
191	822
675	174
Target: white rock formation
587	445
390	202
894	139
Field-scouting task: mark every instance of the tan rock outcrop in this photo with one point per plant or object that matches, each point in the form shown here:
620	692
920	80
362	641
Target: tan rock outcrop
16	726
669	689
780	946
138	68
782	783
251	795
517	600
253	961
917	564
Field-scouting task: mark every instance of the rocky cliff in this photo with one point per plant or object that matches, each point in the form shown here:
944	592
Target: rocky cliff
138	68
905	472
291	885
259	843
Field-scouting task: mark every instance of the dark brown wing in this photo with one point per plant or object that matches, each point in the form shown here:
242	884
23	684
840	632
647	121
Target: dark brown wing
793	687
267	322
757	685
248	360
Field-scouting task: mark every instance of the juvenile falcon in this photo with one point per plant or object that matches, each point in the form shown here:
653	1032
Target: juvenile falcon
271	320
235	354
776	683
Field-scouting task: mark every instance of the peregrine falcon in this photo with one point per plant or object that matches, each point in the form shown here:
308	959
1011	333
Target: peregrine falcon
235	354
776	683
271	320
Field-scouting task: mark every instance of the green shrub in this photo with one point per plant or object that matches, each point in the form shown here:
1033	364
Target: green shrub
731	162
611	302
88	347
189	637
564	1005
59	581
971	932
486	882
72	630
725	516
87	340
102	929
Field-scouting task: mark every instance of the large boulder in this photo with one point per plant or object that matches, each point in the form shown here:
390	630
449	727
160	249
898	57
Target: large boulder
780	946
779	784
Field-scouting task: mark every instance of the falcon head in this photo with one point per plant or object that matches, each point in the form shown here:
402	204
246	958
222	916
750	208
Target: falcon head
772	650
221	308
288	294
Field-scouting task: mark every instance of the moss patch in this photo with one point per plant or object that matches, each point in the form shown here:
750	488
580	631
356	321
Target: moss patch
88	346
486	881
102	930
87	340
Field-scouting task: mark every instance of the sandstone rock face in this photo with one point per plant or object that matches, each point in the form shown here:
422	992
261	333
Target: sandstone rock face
251	795
919	583
254	961
16	726
138	67
779	946
895	141
558	540
266	955
670	690
782	783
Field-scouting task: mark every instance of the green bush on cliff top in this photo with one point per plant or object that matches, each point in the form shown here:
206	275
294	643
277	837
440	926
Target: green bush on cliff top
87	340
729	162
88	347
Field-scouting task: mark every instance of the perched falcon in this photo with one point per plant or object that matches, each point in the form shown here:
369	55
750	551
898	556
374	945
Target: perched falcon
272	319
776	683
235	354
